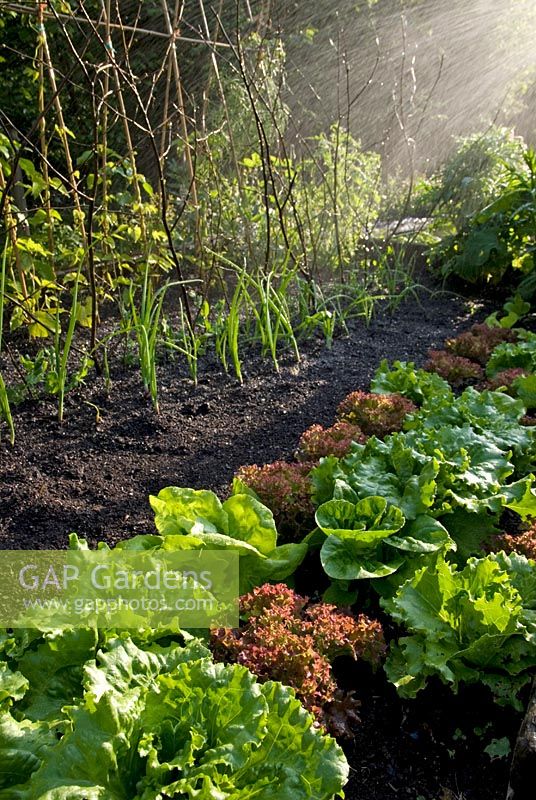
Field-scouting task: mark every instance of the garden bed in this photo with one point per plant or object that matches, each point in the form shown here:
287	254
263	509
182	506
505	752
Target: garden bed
94	476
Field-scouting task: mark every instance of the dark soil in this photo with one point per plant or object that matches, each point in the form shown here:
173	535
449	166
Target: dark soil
94	477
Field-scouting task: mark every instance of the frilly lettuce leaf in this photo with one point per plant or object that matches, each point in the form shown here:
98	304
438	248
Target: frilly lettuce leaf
189	518
403	378
467	625
366	522
169	722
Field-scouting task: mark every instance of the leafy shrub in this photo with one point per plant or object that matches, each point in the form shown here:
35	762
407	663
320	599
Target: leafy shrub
287	639
241	524
150	718
472	625
471	176
403	378
501	236
478	343
318	442
456	370
375	414
286	489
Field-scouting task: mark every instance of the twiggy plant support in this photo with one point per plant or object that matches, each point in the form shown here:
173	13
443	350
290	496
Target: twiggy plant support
124	117
174	33
104	134
62	132
232	146
11	228
43	138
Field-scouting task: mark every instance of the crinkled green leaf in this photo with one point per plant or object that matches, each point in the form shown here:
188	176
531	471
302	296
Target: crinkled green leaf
520	497
343	560
493	414
525	386
54	671
251	522
464	624
366	522
422	535
23	746
516	355
522	574
403	378
177	510
470	531
13	685
169	722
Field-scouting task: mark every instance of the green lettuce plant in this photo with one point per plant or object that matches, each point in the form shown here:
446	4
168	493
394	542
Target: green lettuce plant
371	539
477	624
153	720
190	518
491	414
404	378
461	462
518	355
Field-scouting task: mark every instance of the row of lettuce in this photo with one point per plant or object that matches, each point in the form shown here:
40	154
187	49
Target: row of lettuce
403	500
413	503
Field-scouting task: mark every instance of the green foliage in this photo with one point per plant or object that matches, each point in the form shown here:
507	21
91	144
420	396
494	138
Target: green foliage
514	309
519	355
492	415
142	718
500	237
403	378
369	539
472	625
472	176
449	476
189	518
498	748
146	326
5	409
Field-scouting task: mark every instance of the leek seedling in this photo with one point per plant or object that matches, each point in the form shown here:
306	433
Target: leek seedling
5	408
146	324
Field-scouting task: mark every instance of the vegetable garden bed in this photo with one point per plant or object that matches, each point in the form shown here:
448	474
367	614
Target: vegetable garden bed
95	476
